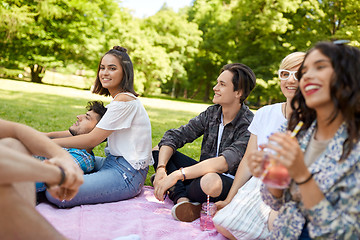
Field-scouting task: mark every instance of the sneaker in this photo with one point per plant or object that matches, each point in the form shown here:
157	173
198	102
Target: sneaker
186	211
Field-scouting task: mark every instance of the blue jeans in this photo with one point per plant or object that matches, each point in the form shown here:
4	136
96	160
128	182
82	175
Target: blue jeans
116	180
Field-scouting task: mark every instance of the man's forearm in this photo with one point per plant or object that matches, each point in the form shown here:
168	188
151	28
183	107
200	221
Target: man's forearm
59	134
35	142
165	154
20	167
211	165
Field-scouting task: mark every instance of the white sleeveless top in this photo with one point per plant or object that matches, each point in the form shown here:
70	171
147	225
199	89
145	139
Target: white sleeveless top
131	138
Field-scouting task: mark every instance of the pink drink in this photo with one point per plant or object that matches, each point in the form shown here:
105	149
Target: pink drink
206	222
277	176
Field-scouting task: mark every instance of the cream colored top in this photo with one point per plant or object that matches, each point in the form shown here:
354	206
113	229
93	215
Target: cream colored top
131	138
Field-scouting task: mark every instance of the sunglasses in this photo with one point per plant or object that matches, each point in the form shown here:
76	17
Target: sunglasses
286	74
341	42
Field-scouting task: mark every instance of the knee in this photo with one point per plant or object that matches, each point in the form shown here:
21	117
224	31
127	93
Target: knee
211	184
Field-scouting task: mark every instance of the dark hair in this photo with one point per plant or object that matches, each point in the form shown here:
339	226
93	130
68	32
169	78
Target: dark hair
344	91
127	83
97	107
244	78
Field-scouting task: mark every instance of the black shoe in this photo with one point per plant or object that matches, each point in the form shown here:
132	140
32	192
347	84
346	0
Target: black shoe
152	178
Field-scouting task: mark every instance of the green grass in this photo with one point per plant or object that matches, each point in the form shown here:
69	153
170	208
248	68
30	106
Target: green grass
53	108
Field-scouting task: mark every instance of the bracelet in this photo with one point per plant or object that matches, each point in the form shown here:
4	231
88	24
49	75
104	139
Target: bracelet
62	179
305	181
161	166
183	173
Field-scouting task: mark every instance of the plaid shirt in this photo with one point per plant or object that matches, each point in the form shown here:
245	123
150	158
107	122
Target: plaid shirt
82	158
233	141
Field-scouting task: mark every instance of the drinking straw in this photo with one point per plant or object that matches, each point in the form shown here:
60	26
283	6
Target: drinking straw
208	205
272	162
296	129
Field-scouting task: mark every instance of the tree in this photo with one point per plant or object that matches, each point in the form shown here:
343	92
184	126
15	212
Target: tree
179	39
324	20
211	16
52	33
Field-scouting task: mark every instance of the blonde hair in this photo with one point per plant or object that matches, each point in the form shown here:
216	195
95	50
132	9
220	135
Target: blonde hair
292	60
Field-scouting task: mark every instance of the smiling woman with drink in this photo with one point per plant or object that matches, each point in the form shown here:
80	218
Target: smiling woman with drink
323	198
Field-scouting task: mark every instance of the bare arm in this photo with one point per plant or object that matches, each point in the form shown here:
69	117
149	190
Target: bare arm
20	167
165	153
37	143
59	134
211	165
84	141
34	141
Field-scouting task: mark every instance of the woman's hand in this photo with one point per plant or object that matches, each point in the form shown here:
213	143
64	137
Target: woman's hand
255	162
289	154
221	204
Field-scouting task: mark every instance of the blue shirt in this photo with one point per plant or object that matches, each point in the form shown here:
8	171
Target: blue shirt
81	157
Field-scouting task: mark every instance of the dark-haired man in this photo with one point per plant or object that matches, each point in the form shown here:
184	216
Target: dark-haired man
225	137
85	123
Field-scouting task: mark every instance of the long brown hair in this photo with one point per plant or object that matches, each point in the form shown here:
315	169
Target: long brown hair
344	92
127	83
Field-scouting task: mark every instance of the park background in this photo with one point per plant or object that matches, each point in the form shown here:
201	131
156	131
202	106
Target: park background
50	50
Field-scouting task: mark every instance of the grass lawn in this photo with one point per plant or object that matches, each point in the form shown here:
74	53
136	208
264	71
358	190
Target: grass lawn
53	108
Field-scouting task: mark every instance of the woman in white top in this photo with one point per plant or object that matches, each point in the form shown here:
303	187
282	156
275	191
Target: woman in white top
127	127
243	214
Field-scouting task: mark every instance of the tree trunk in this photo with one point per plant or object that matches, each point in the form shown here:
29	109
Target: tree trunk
207	91
36	70
197	90
173	89
185	93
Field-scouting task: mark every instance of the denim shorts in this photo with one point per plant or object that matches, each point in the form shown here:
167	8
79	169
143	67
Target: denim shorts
115	180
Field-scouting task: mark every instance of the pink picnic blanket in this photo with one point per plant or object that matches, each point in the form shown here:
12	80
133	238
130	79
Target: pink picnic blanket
143	216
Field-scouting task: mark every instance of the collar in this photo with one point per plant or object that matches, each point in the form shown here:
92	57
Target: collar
218	114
